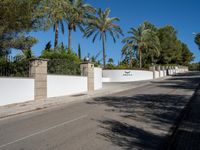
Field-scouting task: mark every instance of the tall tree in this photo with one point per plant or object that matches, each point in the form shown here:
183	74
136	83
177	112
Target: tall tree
24	43
197	39
110	61
76	17
129	51
53	12
102	25
79	51
169	44
16	18
48	46
142	39
187	56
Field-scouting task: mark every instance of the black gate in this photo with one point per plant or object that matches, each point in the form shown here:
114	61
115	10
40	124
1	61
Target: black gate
14	67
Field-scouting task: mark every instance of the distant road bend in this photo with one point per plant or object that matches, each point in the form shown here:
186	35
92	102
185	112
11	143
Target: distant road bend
139	118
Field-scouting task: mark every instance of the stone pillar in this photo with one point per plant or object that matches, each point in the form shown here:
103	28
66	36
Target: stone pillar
87	69
167	70
172	68
163	70
158	69
178	69
38	70
153	69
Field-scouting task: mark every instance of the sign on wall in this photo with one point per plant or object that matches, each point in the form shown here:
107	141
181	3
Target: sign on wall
127	74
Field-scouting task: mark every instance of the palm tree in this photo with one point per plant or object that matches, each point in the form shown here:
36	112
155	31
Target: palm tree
154	47
101	25
54	12
77	16
143	39
110	61
128	51
197	39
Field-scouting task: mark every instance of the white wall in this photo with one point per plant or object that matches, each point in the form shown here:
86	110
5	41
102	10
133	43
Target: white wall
171	72
157	74
97	78
161	73
16	90
105	79
165	73
58	85
126	75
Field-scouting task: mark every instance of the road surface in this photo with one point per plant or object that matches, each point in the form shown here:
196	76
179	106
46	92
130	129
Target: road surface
140	118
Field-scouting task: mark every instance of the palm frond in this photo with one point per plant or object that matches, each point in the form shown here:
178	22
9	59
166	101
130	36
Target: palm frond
62	27
102	23
95	36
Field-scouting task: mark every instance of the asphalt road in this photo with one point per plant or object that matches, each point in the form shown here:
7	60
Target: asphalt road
140	118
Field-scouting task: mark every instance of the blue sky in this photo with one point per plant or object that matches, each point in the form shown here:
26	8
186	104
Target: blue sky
184	15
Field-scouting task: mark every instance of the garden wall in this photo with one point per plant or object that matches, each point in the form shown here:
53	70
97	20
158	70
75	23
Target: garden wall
97	78
163	73
127	75
157	74
16	90
62	85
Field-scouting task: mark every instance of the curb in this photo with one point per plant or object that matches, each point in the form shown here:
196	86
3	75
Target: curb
174	129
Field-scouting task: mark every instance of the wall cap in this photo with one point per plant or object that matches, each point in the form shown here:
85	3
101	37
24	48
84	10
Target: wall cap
87	62
41	59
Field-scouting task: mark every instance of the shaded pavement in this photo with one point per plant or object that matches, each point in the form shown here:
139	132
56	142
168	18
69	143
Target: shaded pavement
149	117
139	118
187	134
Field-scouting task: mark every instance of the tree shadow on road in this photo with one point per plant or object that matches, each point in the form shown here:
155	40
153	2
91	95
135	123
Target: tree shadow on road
161	108
180	81
187	85
129	137
188	132
145	117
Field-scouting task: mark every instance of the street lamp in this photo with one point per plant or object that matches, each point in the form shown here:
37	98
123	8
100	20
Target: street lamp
87	59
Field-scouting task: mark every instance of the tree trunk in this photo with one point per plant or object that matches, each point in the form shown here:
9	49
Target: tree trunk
104	50
56	36
79	51
140	59
131	60
69	37
152	60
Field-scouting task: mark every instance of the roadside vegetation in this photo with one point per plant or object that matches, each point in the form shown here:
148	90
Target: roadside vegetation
197	39
143	46
194	67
